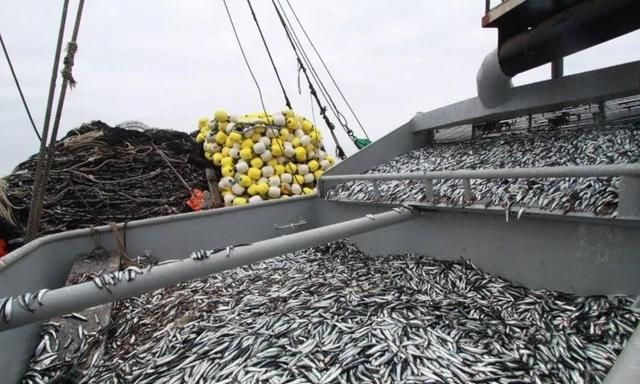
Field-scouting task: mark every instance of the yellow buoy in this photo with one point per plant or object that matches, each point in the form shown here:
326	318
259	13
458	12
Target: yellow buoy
313	165
235	137
277	147
246	154
254	173
245	181
247	143
263	188
217	157
239	201
226	161
317	174
227	171
221	115
256	162
301	154
307	126
221	137
279	169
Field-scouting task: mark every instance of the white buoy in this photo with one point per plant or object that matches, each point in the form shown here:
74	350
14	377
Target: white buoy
242	167
288	150
286	178
259	148
237	189
267	171
274	181
303	169
274	192
308	178
255	199
266	155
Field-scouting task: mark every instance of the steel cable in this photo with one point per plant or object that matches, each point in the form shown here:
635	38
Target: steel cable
15	79
273	64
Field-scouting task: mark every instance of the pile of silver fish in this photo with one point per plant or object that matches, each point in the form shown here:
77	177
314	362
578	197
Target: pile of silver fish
332	314
598	195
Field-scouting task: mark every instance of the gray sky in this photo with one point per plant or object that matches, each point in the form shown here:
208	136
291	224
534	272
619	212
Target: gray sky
167	63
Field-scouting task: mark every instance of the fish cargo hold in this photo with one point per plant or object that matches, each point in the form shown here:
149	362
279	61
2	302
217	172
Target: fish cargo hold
403	202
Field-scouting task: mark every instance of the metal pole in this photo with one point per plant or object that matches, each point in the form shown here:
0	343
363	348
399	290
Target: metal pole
515	173
77	297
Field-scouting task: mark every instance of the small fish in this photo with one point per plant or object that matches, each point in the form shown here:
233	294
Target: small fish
76	316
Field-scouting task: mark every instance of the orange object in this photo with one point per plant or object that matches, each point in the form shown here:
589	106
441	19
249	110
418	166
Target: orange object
196	201
3	247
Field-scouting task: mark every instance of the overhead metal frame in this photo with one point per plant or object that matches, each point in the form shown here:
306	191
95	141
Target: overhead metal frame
544	96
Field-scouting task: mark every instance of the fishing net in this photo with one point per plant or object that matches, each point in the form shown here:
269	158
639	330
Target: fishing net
103	174
262	157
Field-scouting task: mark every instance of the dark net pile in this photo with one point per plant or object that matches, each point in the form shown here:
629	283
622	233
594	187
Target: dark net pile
103	174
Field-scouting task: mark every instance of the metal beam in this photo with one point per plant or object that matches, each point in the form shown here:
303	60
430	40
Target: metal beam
587	87
584	25
503	173
76	297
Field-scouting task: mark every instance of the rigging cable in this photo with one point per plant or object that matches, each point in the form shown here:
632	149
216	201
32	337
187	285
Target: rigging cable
67	81
246	61
244	56
32	222
273	64
358	142
323	91
15	79
326	68
323	110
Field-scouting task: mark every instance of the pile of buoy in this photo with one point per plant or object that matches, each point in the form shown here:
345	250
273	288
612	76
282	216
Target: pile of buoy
263	156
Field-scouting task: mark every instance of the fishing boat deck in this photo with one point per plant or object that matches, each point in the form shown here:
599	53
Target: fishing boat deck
335	314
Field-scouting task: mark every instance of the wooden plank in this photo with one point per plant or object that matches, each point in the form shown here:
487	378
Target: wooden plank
212	180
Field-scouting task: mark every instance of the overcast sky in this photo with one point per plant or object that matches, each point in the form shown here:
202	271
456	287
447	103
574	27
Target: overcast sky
167	63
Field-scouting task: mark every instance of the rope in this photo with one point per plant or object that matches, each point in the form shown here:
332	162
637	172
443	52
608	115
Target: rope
34	215
68	61
244	56
166	159
323	90
15	79
323	110
326	68
66	81
273	64
264	109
